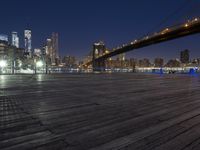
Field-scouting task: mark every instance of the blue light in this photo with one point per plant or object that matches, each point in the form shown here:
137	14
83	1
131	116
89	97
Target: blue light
161	71
192	71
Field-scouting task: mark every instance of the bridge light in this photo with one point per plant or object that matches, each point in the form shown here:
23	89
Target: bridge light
107	51
186	25
134	42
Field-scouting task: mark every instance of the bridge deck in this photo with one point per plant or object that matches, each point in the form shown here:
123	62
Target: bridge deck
100	112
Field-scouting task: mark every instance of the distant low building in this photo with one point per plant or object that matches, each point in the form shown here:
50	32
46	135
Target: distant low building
196	61
69	61
158	62
173	63
144	63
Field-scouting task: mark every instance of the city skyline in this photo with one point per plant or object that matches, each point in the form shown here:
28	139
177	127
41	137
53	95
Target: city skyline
113	27
16	44
100	75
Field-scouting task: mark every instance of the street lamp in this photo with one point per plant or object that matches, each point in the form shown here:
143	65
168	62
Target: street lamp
3	64
39	64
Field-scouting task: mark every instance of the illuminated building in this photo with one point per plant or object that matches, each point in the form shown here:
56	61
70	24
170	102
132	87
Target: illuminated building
37	52
144	63
158	62
52	49
133	63
122	57
121	61
173	63
196	61
3	49
55	50
15	39
3	37
49	47
27	41
69	61
10	54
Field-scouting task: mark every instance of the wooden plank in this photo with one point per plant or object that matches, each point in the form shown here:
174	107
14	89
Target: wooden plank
117	111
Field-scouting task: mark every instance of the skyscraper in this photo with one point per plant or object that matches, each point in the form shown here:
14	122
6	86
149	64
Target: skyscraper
49	47
27	41
52	50
15	39
55	51
185	56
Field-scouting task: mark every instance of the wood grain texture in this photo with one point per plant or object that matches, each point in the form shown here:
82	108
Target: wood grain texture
100	112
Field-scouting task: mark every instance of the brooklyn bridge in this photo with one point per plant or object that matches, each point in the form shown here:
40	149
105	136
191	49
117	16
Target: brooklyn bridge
187	28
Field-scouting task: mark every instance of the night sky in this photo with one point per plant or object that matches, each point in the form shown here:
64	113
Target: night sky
82	22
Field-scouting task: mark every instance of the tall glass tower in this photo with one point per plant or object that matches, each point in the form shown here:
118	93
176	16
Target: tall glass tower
15	39
27	41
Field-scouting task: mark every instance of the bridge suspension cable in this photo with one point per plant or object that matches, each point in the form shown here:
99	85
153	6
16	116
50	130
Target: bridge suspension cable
165	20
194	11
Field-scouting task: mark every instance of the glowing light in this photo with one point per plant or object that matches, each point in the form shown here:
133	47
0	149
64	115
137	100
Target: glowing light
186	25
167	29
39	64
20	64
3	63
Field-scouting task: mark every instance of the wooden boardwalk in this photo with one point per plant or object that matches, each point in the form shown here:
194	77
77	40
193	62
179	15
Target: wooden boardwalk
100	112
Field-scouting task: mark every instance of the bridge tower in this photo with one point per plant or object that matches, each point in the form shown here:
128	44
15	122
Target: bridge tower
99	49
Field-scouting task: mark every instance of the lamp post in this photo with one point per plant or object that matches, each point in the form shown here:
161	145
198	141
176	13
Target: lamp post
35	66
38	64
3	64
